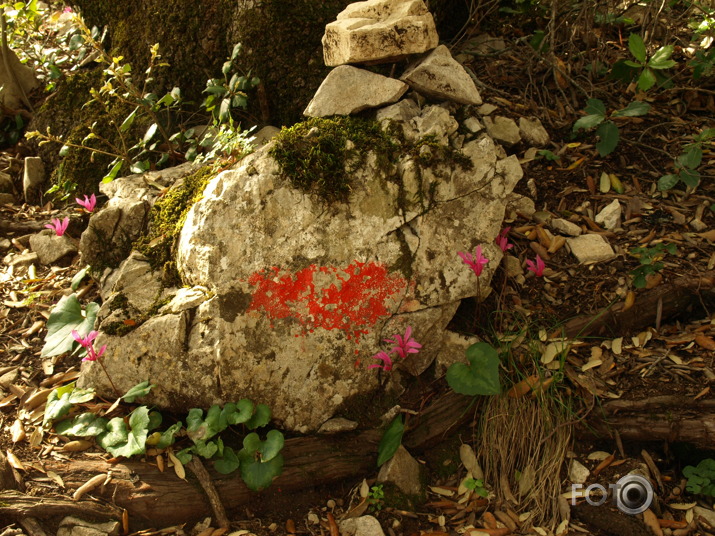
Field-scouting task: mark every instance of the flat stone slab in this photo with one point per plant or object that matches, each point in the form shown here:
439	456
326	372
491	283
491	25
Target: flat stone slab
50	248
348	90
590	248
440	76
379	30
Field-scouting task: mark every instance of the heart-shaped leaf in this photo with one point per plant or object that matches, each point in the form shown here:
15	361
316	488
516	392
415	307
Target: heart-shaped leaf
228	463
66	316
119	441
139	390
261	417
271	446
256	474
481	376
239	412
85	425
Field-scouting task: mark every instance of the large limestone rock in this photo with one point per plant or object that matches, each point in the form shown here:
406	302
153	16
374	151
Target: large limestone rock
440	76
291	295
379	30
348	90
110	233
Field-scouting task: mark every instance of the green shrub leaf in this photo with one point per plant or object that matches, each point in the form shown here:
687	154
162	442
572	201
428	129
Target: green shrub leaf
391	440
637	47
608	132
646	80
588	121
119	441
261	417
634	109
661	58
666	182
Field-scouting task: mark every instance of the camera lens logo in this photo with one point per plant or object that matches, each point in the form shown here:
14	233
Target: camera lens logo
633	494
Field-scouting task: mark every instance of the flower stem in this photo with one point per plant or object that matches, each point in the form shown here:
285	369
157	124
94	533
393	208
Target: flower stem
116	391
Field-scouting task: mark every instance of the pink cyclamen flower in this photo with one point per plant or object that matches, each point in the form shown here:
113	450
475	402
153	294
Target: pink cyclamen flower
86	341
536	267
88	344
68	9
503	240
476	262
59	227
404	345
386	361
88	203
92	354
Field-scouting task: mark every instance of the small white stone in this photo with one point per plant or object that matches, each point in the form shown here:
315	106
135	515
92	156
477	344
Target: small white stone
566	227
578	473
590	248
610	215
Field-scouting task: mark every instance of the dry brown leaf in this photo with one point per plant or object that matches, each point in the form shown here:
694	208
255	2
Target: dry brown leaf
604	463
705	342
77	445
14	461
17	431
629	301
95	481
702	393
708	235
160	462
57	478
651	520
523	387
178	466
206	532
489	520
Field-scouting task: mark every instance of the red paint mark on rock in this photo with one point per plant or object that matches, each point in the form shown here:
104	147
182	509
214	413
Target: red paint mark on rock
350	299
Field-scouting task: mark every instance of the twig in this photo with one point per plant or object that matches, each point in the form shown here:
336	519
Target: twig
214	500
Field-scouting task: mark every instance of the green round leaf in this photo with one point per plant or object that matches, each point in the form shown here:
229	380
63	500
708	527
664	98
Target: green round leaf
481	376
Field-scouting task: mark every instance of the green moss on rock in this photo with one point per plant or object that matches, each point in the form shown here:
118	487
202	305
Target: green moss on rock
316	157
166	220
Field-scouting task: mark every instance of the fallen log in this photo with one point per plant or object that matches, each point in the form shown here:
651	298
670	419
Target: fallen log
660	418
651	307
156	499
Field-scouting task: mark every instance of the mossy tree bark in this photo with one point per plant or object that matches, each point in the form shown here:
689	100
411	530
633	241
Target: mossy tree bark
282	44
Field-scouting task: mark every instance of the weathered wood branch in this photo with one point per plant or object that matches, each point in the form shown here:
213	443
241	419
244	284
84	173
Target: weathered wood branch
15	506
665	301
155	498
660	418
